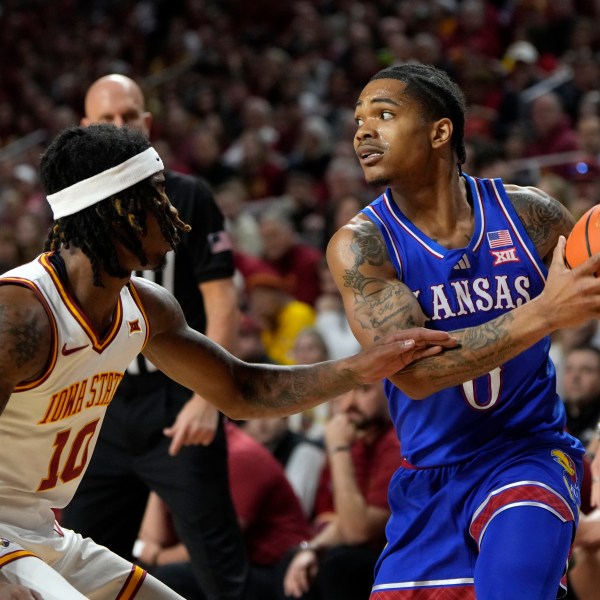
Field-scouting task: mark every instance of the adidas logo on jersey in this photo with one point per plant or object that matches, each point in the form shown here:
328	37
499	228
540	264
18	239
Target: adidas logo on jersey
462	264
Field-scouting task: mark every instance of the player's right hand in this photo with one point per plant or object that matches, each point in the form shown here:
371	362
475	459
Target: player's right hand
571	297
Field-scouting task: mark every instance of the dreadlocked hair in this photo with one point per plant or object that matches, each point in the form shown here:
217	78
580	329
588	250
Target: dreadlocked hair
438	96
79	153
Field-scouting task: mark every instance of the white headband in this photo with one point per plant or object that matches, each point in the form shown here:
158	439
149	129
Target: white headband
88	192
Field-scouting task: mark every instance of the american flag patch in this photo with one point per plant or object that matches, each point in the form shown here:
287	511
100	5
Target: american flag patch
499	239
219	242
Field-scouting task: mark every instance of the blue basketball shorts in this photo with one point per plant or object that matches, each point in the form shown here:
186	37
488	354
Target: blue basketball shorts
440	515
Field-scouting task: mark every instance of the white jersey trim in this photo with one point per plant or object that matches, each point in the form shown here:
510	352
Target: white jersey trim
426	583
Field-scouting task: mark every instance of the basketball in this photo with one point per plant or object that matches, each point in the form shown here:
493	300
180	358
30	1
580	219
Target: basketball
584	239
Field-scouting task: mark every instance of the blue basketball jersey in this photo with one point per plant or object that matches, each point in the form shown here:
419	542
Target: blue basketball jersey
496	272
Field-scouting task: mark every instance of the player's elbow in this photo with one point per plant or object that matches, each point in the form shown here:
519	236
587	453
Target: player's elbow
241	410
418	395
416	388
236	413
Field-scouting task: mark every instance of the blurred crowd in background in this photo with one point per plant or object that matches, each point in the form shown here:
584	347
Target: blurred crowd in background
257	97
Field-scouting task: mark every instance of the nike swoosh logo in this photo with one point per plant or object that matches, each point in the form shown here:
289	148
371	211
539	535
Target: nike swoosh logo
66	351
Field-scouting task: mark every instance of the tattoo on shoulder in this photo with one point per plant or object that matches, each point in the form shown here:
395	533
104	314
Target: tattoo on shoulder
4	397
22	336
381	304
543	217
368	244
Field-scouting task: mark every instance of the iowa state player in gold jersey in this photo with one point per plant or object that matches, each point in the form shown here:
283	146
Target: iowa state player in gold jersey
70	323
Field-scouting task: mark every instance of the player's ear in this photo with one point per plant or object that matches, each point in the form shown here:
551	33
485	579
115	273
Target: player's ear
441	132
147	120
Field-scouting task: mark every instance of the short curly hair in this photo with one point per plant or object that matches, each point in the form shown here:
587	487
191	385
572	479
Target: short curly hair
81	152
438	96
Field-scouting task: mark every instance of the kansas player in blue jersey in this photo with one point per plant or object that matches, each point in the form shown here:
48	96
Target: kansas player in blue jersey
486	502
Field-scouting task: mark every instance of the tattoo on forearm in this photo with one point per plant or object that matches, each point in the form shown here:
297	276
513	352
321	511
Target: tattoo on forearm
293	390
473	354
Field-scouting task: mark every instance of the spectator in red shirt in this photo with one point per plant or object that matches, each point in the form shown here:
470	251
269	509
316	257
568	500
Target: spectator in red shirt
270	515
477	31
351	507
296	262
262	170
551	129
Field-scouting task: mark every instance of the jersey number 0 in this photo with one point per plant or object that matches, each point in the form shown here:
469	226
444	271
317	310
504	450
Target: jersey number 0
494	386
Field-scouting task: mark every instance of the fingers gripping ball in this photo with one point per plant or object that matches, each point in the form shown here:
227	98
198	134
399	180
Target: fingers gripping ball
584	239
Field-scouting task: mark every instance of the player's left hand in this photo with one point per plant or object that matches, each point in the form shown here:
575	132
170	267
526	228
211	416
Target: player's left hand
195	424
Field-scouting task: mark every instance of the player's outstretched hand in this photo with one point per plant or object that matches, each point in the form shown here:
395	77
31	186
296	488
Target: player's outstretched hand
12	591
571	297
397	350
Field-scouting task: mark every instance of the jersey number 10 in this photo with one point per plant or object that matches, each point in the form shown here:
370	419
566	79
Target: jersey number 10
73	468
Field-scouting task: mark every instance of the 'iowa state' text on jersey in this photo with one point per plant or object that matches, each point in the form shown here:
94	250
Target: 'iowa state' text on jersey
79	395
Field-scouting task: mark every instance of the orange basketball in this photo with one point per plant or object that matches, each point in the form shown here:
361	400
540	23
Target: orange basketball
584	239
